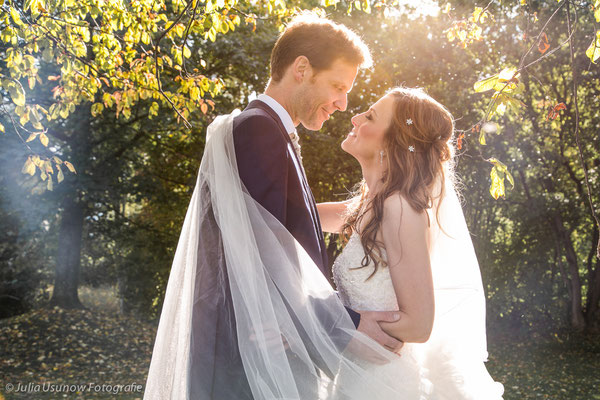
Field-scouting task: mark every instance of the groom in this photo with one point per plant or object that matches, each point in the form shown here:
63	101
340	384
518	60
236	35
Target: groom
313	66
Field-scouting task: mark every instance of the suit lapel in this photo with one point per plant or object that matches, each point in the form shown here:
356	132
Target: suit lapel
311	203
273	114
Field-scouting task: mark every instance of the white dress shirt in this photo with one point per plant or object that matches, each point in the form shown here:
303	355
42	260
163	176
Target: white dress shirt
286	119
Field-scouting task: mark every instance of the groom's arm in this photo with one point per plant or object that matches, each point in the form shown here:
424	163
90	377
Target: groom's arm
354	316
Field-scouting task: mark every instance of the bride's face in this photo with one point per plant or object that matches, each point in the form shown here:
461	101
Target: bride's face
365	142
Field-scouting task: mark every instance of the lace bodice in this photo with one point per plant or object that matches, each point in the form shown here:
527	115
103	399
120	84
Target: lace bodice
356	292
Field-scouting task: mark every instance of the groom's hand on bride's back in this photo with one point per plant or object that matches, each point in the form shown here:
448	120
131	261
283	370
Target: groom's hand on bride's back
369	325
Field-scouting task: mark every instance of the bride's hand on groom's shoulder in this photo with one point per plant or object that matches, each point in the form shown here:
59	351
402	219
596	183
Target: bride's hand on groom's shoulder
369	325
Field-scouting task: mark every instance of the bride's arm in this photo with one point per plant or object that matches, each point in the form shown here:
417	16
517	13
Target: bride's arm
332	215
405	236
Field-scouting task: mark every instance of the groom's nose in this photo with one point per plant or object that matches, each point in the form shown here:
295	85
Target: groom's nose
341	102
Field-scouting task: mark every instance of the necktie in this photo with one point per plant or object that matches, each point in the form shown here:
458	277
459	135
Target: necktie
296	142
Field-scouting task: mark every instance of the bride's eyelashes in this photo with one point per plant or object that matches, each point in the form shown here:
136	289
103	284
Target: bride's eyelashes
369	117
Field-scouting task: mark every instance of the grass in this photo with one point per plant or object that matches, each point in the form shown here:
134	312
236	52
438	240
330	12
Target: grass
102	347
558	368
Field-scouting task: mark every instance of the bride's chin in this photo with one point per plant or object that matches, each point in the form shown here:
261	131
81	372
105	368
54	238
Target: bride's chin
344	146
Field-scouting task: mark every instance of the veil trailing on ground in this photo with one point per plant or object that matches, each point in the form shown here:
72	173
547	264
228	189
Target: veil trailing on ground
292	331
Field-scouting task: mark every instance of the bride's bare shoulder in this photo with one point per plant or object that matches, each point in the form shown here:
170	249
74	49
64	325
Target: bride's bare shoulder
397	210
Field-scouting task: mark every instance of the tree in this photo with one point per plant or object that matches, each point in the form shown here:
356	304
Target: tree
543	103
66	64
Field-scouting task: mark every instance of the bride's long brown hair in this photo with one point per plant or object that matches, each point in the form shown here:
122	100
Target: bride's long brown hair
419	123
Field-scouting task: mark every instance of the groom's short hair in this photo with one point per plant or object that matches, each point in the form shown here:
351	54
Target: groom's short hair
321	41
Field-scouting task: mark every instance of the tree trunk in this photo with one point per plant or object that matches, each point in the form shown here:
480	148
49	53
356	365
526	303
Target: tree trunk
577	318
592	307
69	256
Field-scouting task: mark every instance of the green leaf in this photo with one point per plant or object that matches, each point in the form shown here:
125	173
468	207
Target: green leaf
50	185
31	137
486	84
97	109
593	52
2	128
153	109
482	137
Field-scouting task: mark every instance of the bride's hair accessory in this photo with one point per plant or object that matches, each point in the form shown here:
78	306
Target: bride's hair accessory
411	148
409	121
381	157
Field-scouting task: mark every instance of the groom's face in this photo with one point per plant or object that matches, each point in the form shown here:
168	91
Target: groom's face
323	93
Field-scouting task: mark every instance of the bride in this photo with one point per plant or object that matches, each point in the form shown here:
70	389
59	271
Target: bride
408	247
294	338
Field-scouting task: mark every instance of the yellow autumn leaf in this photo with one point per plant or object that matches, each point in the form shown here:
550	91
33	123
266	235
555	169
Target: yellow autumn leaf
44	139
48	167
60	176
15	16
70	166
17	94
28	167
497	189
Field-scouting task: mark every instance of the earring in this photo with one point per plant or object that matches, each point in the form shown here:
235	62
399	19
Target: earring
381	157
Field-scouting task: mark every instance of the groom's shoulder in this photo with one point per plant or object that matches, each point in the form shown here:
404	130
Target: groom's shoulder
253	116
256	121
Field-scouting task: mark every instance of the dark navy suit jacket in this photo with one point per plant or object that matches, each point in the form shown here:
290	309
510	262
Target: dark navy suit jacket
271	172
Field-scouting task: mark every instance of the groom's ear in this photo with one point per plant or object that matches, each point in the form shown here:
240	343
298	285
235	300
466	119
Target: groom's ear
301	68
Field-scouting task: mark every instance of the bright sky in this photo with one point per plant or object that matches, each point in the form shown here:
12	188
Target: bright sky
421	7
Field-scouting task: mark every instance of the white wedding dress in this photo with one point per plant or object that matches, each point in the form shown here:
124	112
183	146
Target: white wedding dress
445	368
376	294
